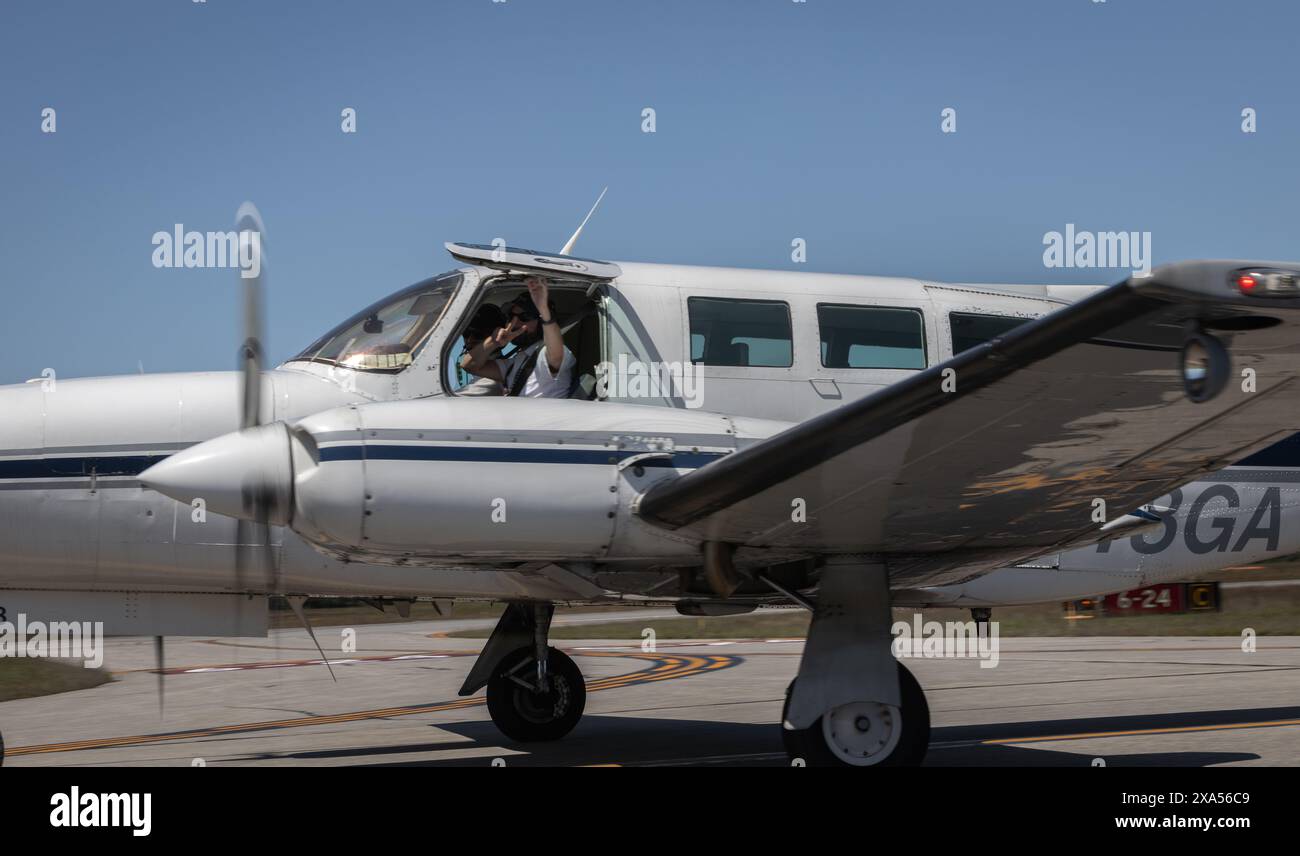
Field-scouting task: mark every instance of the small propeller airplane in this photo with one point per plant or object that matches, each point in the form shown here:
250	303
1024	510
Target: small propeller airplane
864	442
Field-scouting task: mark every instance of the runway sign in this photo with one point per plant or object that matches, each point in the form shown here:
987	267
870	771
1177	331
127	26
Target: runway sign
1166	598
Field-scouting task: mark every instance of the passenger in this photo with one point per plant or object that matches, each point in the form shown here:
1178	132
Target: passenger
487	319
541	366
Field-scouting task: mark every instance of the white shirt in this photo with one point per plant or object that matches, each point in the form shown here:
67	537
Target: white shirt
541	383
482	386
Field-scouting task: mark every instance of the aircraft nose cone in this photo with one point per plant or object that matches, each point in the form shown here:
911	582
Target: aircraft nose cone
246	475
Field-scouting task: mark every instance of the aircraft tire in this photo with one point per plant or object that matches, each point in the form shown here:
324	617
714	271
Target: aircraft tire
527	716
818	745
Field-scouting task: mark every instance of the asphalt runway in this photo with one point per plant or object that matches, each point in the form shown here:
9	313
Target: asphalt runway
1158	701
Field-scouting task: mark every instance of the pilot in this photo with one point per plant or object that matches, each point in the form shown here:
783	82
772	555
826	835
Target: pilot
541	366
487	319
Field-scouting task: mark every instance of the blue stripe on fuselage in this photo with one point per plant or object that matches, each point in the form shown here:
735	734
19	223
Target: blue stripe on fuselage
506	455
54	468
1282	455
133	465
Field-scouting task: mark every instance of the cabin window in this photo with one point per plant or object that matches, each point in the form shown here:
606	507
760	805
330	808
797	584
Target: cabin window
727	332
871	337
969	330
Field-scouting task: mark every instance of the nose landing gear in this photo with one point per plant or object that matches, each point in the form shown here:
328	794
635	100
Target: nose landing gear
528	709
534	692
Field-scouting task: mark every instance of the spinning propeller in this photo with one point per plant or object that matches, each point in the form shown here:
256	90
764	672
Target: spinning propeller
262	488
253	548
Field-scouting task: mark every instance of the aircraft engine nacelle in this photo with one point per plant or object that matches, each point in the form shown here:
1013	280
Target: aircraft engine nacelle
448	491
498	478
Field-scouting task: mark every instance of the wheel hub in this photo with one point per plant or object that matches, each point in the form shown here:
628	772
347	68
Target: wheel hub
549	704
862	733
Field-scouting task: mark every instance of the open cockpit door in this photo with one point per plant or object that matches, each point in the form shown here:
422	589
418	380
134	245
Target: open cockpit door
516	260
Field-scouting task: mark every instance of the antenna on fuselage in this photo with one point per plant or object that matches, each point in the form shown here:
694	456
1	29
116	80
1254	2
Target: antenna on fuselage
568	245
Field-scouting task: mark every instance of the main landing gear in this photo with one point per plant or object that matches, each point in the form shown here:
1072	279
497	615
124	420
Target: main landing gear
853	704
864	733
534	692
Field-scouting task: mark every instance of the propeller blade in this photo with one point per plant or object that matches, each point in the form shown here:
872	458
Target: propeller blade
295	603
158	656
254	553
257	535
269	562
252	244
252	546
241	557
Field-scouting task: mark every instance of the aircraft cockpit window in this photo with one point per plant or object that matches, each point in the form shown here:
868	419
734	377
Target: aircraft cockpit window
969	330
386	336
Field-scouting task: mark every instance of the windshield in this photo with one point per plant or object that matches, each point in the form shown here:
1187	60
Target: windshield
385	337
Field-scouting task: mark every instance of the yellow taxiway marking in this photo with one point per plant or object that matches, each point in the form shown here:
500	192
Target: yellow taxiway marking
1179	729
665	668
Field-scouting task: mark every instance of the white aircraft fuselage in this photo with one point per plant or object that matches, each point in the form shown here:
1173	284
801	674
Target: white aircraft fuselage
75	518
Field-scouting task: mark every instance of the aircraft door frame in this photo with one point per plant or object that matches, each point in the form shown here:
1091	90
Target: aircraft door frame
641	323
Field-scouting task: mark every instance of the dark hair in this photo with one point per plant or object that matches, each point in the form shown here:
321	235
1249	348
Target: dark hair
525	302
487	318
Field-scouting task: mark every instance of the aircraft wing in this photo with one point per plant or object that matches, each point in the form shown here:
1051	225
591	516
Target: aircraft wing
1001	453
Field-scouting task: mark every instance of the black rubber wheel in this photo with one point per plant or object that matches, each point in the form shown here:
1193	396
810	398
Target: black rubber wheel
2	750
528	716
810	744
1205	366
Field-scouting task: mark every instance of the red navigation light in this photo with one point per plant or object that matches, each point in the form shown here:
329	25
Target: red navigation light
1267	283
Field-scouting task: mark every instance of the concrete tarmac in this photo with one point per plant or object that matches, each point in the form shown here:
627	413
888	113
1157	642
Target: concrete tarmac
1151	701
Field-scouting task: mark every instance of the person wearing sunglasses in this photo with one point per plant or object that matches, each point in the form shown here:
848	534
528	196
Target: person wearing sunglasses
487	318
540	366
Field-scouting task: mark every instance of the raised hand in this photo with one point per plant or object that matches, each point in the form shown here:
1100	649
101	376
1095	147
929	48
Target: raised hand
539	291
504	335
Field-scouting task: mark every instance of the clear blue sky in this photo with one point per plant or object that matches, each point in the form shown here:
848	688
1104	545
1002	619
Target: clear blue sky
477	119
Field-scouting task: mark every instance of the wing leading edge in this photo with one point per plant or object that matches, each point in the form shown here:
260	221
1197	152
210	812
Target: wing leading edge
1007	459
